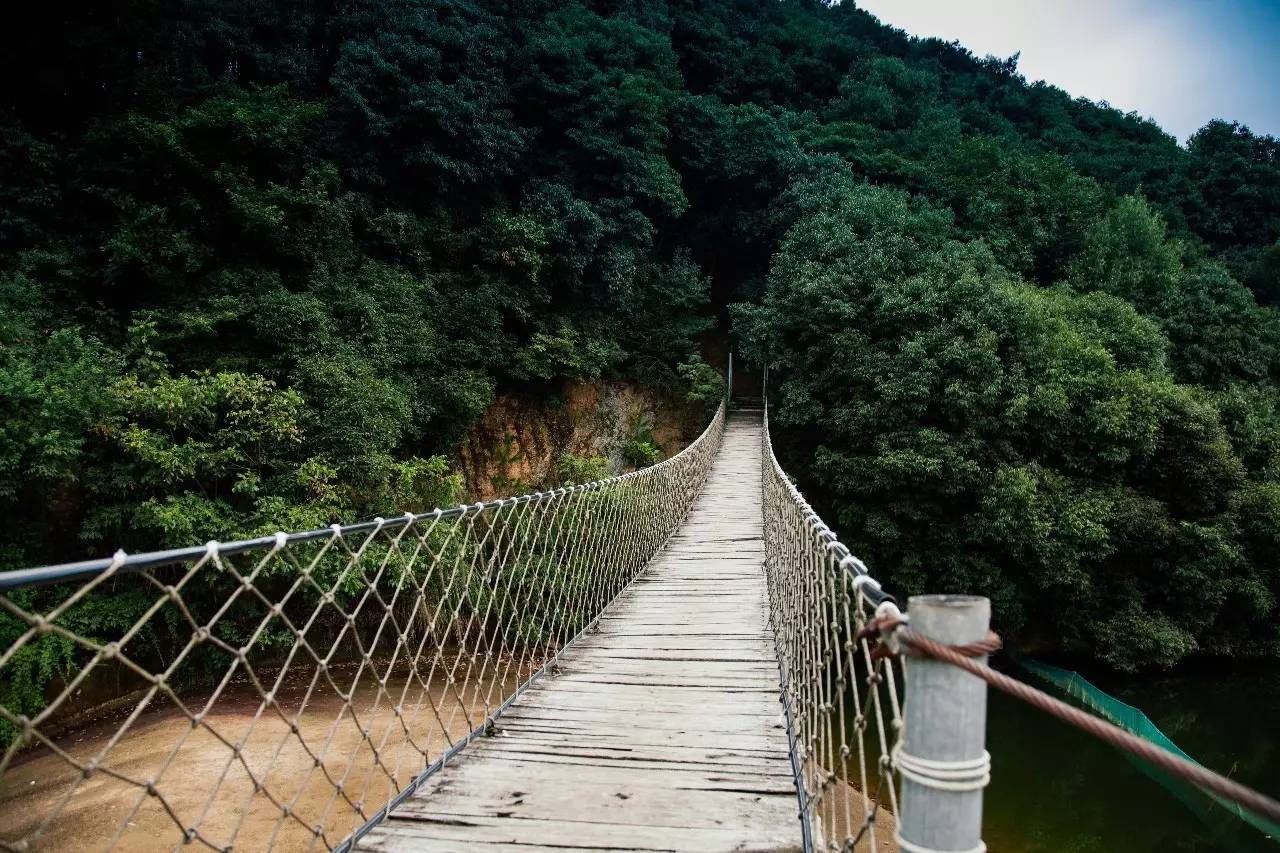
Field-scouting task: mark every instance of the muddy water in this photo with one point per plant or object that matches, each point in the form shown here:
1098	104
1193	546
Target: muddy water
340	765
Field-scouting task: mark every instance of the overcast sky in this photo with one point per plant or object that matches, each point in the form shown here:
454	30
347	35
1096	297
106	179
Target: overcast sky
1180	62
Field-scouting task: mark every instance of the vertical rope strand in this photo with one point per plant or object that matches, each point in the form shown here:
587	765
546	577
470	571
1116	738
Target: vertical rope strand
833	690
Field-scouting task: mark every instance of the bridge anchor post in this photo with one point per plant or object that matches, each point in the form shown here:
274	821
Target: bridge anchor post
942	760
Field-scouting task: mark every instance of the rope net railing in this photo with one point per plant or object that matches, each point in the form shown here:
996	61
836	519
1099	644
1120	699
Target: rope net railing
285	692
841	699
841	642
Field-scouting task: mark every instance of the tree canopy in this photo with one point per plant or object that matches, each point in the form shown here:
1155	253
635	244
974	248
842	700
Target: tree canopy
262	266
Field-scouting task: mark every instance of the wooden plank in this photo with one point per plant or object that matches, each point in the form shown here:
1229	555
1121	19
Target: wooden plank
621	665
466	774
681	683
671	753
620	802
694	706
677	719
661	729
415	836
602	720
621	745
761	742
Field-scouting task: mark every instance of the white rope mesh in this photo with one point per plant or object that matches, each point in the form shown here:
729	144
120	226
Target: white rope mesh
843	704
281	693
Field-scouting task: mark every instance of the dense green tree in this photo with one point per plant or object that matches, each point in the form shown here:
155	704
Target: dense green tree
263	266
1236	175
975	432
1217	331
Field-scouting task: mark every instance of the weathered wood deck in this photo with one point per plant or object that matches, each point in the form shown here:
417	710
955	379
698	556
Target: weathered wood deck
663	730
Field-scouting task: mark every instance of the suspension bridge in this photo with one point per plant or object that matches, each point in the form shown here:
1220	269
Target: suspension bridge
680	658
661	728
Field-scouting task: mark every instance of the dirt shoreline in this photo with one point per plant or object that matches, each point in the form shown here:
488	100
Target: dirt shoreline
337	765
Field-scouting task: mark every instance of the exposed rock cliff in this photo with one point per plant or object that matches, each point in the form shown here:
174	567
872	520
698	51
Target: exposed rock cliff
518	441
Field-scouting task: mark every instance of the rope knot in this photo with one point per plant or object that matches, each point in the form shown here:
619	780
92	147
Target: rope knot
895	637
884	627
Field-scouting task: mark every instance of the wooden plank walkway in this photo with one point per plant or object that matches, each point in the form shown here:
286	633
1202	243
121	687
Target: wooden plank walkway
663	730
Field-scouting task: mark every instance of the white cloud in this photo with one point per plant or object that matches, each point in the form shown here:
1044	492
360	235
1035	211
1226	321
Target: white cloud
1179	63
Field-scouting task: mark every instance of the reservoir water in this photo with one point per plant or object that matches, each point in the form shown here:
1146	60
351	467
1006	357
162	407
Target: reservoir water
1056	789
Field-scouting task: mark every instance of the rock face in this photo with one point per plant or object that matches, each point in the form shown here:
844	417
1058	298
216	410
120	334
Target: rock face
515	446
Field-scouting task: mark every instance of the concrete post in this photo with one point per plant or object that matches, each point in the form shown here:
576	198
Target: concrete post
728	391
942	761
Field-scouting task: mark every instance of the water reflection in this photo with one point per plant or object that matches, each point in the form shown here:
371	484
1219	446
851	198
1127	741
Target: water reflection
1056	789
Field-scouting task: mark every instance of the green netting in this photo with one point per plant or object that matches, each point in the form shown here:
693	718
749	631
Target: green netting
1132	720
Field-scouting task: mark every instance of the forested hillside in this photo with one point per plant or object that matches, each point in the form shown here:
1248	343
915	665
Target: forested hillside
263	264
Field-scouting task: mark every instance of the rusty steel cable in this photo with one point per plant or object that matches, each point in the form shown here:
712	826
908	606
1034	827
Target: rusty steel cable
1196	774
